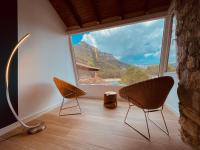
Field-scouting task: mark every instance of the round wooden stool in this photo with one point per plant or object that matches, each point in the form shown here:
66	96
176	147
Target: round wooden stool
110	99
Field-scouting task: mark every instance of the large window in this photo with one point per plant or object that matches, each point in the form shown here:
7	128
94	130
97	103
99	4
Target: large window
120	55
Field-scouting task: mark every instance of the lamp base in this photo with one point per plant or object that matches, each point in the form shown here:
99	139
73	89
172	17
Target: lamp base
40	127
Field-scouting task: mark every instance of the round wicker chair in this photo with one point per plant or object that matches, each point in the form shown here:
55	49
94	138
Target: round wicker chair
148	95
69	91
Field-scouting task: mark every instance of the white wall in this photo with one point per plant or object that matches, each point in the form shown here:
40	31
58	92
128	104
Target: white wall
97	91
44	55
172	99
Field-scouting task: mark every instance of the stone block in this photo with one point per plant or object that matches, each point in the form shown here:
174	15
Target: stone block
196	101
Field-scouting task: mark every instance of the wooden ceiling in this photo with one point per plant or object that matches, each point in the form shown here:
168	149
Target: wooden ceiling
85	14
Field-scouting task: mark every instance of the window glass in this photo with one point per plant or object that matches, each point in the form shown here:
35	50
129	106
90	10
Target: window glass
120	55
172	63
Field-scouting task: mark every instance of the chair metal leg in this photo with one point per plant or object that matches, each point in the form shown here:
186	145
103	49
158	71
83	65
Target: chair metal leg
127	113
61	108
149	136
146	137
166	131
78	104
165	123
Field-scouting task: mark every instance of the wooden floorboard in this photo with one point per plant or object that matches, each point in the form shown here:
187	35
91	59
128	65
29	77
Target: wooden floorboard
98	128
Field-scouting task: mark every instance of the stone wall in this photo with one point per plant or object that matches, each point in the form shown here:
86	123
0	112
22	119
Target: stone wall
188	41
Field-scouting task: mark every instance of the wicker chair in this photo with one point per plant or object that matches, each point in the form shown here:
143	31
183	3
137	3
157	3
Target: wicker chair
150	96
68	91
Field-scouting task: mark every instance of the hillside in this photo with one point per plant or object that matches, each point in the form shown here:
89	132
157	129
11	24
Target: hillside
109	66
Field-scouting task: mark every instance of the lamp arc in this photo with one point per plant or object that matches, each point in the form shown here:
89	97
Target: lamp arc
31	129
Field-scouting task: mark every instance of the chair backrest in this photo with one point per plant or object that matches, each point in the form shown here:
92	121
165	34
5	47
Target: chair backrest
149	94
67	90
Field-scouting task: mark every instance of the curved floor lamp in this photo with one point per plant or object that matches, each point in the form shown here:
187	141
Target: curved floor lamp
30	129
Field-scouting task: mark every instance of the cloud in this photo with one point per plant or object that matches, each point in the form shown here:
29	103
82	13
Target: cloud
148	54
140	39
156	54
88	38
118	57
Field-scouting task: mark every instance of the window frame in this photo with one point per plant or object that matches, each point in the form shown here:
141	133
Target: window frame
166	44
166	70
165	48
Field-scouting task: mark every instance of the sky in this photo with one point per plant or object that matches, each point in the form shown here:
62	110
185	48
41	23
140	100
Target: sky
138	43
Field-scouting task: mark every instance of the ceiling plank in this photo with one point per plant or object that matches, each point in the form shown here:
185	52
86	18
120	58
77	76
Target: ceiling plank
95	9
120	4
146	6
120	22
111	19
74	12
89	24
81	15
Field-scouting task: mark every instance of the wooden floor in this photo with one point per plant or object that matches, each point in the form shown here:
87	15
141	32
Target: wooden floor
98	128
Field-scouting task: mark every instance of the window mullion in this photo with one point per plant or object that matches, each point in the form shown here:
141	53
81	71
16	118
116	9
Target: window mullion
166	44
73	59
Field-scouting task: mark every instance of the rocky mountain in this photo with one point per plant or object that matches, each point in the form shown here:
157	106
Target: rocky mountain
109	66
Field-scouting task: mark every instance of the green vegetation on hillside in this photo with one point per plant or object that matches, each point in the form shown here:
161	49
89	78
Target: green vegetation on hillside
171	68
152	70
134	74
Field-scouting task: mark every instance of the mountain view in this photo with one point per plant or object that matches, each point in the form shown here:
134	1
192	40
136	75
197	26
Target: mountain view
112	69
109	66
122	55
